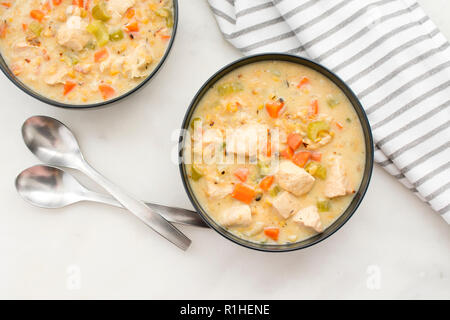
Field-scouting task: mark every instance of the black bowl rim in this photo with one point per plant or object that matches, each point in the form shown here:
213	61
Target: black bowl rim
362	116
30	92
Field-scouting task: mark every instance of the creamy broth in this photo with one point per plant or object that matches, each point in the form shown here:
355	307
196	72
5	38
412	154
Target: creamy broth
310	152
84	51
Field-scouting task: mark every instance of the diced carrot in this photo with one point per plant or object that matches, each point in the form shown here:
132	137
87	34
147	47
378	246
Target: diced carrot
165	36
47	7
316	156
314	107
303	82
294	140
301	158
274	107
24	27
37	15
101	55
287	153
45	54
78	3
266	183
68	86
6	4
243	193
130	13
132	27
3	27
340	126
16	69
242	174
272	233
106	91
56	2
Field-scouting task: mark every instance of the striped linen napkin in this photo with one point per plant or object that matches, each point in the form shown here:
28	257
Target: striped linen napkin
389	52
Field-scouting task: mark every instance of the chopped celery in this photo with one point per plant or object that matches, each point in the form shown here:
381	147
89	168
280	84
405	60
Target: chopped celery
100	12
321	172
276	73
169	21
314	128
316	169
167	14
312	167
323	205
116	35
36	28
332	102
225	89
74	59
274	191
263	168
83	13
196	174
99	30
162	12
90	45
194	121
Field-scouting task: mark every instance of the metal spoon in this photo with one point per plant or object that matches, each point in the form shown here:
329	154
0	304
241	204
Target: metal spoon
53	143
52	188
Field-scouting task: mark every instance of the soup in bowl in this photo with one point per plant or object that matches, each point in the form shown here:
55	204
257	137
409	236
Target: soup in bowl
84	52
276	153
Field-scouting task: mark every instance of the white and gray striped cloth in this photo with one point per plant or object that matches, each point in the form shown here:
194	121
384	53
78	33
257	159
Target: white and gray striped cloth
389	52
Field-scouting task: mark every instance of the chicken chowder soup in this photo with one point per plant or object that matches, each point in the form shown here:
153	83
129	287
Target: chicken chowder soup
84	51
276	152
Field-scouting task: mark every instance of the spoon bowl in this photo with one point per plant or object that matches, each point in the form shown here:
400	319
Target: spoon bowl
52	142
52	188
48	187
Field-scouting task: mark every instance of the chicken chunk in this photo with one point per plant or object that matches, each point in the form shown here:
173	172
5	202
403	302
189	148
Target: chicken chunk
337	183
258	227
139	60
57	77
114	63
73	34
25	50
22	46
247	140
309	217
84	68
294	179
217	190
239	215
316	145
119	6
212	145
286	204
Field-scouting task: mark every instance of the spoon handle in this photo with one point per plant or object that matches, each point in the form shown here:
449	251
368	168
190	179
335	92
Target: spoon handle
139	209
171	214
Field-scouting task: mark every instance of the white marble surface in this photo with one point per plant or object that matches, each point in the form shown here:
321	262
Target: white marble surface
393	238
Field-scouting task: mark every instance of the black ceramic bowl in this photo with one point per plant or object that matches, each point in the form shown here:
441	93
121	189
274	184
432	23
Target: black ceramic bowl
4	67
367	136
